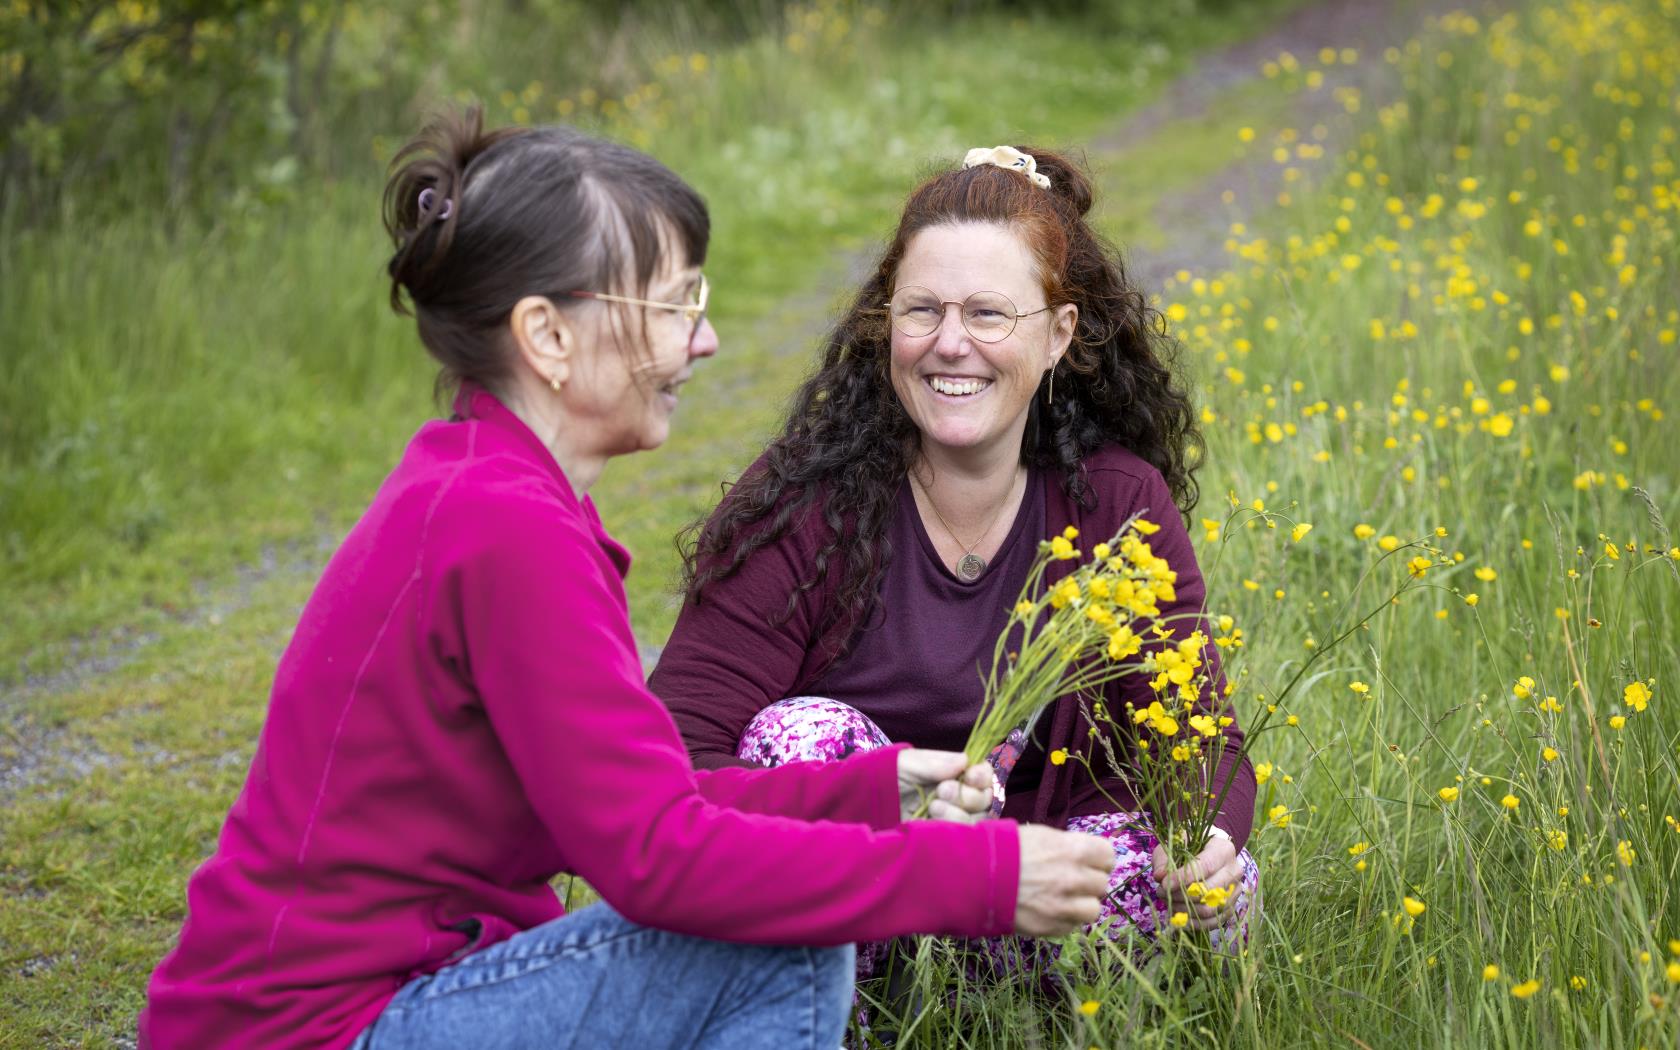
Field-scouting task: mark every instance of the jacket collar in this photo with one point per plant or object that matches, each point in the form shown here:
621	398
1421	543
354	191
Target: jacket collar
477	404
473	402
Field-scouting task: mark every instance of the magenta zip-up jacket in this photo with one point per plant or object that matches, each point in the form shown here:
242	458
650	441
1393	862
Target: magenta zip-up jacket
460	717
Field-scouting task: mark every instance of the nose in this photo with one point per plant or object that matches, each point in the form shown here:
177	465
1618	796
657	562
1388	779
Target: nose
705	341
951	340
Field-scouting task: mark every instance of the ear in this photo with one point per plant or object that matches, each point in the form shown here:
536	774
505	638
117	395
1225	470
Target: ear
1066	320
543	340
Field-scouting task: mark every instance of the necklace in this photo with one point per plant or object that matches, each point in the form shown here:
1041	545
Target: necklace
970	566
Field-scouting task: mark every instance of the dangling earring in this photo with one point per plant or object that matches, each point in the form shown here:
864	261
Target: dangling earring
1050	394
554	384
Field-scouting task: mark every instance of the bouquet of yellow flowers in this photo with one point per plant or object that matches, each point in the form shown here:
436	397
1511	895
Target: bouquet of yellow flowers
1102	621
1098	623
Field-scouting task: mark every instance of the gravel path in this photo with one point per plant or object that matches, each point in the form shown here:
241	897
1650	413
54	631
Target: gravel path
31	753
1196	238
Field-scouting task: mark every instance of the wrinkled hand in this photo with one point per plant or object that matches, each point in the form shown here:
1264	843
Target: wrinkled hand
1216	867
1064	878
939	778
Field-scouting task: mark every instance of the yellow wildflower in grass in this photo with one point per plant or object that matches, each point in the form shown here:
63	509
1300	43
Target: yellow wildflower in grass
1625	853
1357	848
1525	989
1418	566
1216	896
1448	794
1490	972
1578	982
1299	532
1363	531
1636	696
1471	599
1262	772
1280	816
1558	839
1673	972
1549	753
1524	688
1486	574
1389	544
1510	802
1617	722
1413	906
1089	1007
1179	919
1359	687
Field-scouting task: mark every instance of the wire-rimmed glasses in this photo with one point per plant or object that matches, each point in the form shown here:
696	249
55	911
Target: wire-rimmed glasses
987	316
693	311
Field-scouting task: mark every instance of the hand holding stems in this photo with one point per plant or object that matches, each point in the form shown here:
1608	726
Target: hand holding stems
941	785
1215	868
1064	874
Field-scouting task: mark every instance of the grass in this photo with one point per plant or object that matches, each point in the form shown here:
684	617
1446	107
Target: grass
241	390
1469	328
1339	320
242	387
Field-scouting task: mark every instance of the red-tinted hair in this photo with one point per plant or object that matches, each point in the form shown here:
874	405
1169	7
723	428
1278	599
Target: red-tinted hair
847	442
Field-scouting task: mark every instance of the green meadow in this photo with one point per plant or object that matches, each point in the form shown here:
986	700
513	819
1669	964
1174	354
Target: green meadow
1446	343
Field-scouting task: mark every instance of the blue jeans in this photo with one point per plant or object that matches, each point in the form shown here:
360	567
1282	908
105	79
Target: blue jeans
595	979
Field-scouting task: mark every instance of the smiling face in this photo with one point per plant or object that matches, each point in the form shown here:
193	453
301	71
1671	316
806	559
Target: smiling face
969	397
627	388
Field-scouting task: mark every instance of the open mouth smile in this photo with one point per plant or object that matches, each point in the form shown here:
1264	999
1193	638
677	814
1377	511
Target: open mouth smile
950	387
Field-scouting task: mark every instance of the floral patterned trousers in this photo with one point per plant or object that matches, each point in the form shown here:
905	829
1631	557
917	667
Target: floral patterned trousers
817	729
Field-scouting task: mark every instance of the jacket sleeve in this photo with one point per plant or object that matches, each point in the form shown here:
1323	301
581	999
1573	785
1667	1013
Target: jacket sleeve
862	789
1172	542
534	614
738	650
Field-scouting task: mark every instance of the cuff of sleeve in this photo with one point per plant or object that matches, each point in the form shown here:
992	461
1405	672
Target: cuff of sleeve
883	805
1236	815
1003	857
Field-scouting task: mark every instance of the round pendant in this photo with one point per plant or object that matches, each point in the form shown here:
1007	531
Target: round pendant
970	568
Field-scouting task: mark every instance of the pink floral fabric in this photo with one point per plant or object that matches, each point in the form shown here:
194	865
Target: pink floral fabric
817	729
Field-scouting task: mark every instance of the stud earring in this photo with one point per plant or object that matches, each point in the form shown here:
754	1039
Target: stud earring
554	384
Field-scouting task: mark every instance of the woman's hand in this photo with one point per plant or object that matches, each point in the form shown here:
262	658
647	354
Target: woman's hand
1216	867
956	793
1064	878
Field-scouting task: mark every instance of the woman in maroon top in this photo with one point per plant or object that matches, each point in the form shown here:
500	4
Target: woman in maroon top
995	380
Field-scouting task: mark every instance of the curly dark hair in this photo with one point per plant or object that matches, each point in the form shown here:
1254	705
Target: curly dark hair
848	442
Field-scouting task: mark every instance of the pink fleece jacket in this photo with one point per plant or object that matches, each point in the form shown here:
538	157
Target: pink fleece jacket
459	717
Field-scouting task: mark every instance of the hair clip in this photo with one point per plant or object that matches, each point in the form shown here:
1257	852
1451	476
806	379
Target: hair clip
1010	158
428	199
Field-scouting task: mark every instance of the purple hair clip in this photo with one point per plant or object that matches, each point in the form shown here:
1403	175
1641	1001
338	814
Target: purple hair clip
428	198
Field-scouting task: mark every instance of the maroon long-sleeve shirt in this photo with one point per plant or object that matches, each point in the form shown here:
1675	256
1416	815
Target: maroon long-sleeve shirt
732	654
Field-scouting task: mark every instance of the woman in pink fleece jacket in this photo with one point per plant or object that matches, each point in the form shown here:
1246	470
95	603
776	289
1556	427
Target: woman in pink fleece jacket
461	716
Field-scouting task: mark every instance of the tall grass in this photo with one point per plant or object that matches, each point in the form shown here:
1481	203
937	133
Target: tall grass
1466	336
181	390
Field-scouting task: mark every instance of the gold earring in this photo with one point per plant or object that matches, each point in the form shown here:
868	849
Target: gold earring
554	384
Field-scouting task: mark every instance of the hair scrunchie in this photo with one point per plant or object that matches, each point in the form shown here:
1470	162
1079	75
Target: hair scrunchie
1010	158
